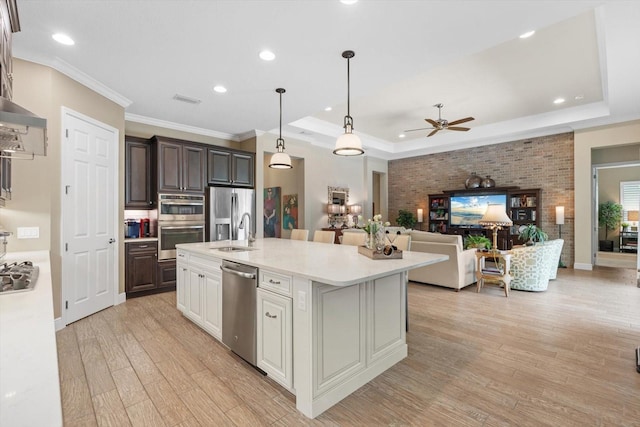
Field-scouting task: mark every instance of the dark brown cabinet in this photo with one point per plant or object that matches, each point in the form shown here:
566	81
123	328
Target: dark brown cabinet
139	178
230	168
167	273
181	166
141	263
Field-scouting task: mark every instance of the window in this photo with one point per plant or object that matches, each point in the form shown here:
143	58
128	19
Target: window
629	198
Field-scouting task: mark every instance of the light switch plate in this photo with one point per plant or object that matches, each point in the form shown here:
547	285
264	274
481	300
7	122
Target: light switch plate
28	232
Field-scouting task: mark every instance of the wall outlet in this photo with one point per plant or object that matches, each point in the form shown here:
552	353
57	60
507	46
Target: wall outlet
28	232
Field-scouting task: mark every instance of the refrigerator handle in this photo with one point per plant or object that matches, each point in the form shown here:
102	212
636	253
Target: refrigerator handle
234	216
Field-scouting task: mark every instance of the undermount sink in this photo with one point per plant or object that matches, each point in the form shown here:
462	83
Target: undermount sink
234	249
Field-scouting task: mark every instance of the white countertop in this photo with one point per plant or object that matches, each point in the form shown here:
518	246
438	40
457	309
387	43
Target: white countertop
29	383
140	239
337	265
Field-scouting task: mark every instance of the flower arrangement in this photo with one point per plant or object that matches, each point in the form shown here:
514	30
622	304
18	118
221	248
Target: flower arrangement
375	224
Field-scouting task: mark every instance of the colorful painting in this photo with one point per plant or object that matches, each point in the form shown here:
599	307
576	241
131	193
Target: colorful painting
271	212
290	212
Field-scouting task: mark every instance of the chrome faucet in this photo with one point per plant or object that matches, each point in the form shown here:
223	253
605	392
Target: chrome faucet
250	238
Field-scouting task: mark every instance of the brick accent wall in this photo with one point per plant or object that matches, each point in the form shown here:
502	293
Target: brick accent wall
545	162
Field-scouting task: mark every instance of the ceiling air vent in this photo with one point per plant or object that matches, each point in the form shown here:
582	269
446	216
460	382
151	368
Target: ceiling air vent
186	99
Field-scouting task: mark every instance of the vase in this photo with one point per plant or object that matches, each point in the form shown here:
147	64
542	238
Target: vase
488	182
474	181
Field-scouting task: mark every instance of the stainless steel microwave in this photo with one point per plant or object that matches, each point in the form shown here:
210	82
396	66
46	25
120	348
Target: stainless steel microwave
180	207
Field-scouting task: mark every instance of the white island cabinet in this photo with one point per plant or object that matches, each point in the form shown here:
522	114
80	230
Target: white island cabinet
329	319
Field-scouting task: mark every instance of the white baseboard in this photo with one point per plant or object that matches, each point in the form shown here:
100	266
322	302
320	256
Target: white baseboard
582	266
121	298
59	323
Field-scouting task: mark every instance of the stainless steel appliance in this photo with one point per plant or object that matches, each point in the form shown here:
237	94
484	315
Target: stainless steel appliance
180	207
239	290
18	277
180	220
228	209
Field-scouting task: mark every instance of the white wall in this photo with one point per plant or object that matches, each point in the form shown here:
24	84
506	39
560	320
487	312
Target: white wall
322	169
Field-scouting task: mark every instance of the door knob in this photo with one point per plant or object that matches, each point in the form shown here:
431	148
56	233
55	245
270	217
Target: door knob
112	240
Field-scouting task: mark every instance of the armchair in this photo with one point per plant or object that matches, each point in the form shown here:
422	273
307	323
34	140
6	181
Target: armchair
533	266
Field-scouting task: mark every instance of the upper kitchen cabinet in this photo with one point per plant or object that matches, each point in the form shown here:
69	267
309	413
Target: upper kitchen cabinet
181	166
139	177
227	167
9	24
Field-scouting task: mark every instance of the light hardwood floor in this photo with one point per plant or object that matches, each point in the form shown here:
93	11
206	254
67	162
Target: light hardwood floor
564	357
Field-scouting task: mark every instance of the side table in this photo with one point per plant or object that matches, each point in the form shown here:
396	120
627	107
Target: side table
493	274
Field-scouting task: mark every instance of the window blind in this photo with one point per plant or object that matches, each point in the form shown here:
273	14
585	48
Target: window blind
629	197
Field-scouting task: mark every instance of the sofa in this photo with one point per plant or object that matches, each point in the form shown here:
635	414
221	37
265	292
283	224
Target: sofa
455	273
533	266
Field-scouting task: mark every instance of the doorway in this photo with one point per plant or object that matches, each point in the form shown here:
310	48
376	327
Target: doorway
89	215
606	187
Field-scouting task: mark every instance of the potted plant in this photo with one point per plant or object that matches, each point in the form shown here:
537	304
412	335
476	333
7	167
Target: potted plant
625	226
609	217
477	241
531	234
406	219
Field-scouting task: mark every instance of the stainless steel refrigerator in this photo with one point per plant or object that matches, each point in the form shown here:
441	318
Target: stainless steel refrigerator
231	213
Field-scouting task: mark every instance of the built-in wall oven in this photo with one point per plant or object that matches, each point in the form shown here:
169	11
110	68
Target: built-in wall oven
180	220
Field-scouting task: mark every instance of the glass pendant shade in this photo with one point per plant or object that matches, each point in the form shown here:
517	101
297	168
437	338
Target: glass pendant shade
348	144
280	161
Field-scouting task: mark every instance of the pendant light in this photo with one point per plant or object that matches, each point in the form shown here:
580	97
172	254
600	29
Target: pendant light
348	144
280	160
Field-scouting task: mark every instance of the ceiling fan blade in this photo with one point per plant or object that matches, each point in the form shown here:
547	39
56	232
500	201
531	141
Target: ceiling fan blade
432	122
458	128
457	122
433	132
411	130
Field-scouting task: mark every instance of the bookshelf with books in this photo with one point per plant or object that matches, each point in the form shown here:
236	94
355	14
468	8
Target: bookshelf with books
524	209
438	213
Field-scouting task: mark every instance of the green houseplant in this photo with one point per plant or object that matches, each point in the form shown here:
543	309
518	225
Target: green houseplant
406	219
609	217
477	241
531	234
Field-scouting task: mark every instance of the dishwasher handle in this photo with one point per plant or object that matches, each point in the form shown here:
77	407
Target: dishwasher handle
238	273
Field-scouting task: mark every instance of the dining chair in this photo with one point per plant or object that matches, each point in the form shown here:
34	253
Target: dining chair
402	242
354	239
324	236
299	234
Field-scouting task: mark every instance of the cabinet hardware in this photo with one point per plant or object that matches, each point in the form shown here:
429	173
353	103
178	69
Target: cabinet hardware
143	246
274	282
271	316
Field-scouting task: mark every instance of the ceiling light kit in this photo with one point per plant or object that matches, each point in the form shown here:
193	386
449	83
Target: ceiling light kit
348	144
219	89
348	2
558	101
527	34
267	55
280	160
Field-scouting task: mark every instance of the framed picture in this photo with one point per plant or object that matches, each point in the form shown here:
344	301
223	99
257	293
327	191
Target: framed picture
271	212
290	211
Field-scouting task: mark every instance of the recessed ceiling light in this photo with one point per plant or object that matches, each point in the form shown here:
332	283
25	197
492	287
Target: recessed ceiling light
349	2
328	109
220	89
402	135
579	97
63	39
267	55
527	34
558	100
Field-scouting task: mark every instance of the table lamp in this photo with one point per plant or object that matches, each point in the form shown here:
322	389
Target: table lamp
355	210
560	222
632	216
495	218
333	211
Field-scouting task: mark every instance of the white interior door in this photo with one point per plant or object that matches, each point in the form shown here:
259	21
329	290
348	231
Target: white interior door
89	215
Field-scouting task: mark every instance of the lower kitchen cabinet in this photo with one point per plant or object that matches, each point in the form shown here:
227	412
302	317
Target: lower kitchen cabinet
166	273
199	292
141	259
275	336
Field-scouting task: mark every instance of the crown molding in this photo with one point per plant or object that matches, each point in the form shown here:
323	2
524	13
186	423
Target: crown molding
180	127
80	77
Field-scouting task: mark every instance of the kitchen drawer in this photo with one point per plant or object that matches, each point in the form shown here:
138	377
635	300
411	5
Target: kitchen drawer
182	256
278	283
137	247
204	262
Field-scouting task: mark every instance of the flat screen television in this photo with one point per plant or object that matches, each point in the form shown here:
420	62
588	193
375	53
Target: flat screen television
466	211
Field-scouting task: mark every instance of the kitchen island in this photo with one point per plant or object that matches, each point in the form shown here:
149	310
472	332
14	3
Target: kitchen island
329	319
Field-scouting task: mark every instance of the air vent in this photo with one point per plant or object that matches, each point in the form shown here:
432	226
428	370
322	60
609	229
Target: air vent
186	99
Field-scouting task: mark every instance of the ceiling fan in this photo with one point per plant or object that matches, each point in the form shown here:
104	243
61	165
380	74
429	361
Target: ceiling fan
441	123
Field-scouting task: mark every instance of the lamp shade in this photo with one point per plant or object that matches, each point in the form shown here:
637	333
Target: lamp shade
280	160
333	209
496	216
632	215
348	144
355	209
420	215
559	215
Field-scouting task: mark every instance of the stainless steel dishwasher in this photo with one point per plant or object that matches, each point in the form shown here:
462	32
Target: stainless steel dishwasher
239	289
